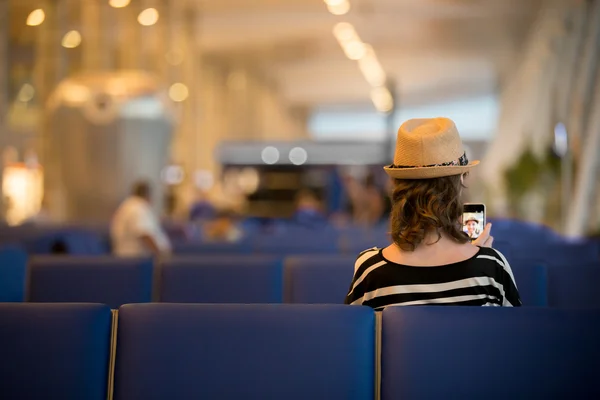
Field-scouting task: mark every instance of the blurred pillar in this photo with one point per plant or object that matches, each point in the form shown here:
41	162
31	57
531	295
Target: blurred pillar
48	51
570	56
520	124
4	64
94	49
4	79
129	36
160	66
585	183
49	69
183	57
275	118
587	120
151	39
583	89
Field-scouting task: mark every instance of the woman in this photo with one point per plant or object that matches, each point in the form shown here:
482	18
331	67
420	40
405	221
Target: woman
431	261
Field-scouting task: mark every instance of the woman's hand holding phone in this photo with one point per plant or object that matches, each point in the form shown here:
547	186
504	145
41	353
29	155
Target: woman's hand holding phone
485	239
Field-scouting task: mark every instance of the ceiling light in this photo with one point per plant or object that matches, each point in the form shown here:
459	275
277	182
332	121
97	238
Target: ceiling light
345	32
119	3
148	17
71	40
270	155
298	156
371	68
382	99
36	17
173	175
178	92
204	179
340	8
355	50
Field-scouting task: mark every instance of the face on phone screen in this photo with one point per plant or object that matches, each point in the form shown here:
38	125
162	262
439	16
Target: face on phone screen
473	220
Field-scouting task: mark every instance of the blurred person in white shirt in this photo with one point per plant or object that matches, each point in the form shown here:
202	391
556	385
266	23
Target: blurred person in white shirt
135	229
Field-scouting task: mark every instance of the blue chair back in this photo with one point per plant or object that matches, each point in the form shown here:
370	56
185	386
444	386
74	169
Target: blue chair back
573	286
560	253
54	351
532	282
206	248
222	279
108	280
74	241
489	353
317	279
282	351
298	241
355	240
13	274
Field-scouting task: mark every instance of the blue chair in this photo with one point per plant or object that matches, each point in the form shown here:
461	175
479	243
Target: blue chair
504	247
107	280
489	353
222	279
321	279
560	253
532	282
13	273
54	351
573	286
280	351
205	248
355	240
298	241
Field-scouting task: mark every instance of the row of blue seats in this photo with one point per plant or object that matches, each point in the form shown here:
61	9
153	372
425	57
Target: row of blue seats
516	240
328	352
242	279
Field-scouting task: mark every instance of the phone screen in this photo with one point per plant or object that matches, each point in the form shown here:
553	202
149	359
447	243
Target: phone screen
473	220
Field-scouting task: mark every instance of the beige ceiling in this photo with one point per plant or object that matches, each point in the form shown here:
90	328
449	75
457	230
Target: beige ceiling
433	49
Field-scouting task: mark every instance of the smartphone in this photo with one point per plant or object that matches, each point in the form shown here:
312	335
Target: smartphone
473	219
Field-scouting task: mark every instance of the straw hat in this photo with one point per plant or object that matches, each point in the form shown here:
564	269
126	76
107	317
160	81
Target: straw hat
428	148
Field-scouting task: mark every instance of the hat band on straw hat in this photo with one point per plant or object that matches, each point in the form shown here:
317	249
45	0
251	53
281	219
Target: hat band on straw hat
462	161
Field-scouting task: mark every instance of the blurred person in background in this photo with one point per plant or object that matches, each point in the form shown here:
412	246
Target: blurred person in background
431	261
309	211
222	228
367	203
202	208
135	229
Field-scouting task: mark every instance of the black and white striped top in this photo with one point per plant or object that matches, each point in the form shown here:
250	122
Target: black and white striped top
483	280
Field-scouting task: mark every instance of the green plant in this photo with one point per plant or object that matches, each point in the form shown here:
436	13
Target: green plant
531	173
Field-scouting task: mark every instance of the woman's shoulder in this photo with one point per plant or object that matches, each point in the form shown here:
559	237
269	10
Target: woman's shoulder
370	251
492	255
368	257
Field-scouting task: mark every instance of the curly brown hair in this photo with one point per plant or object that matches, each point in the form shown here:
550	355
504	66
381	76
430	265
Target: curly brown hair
421	206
